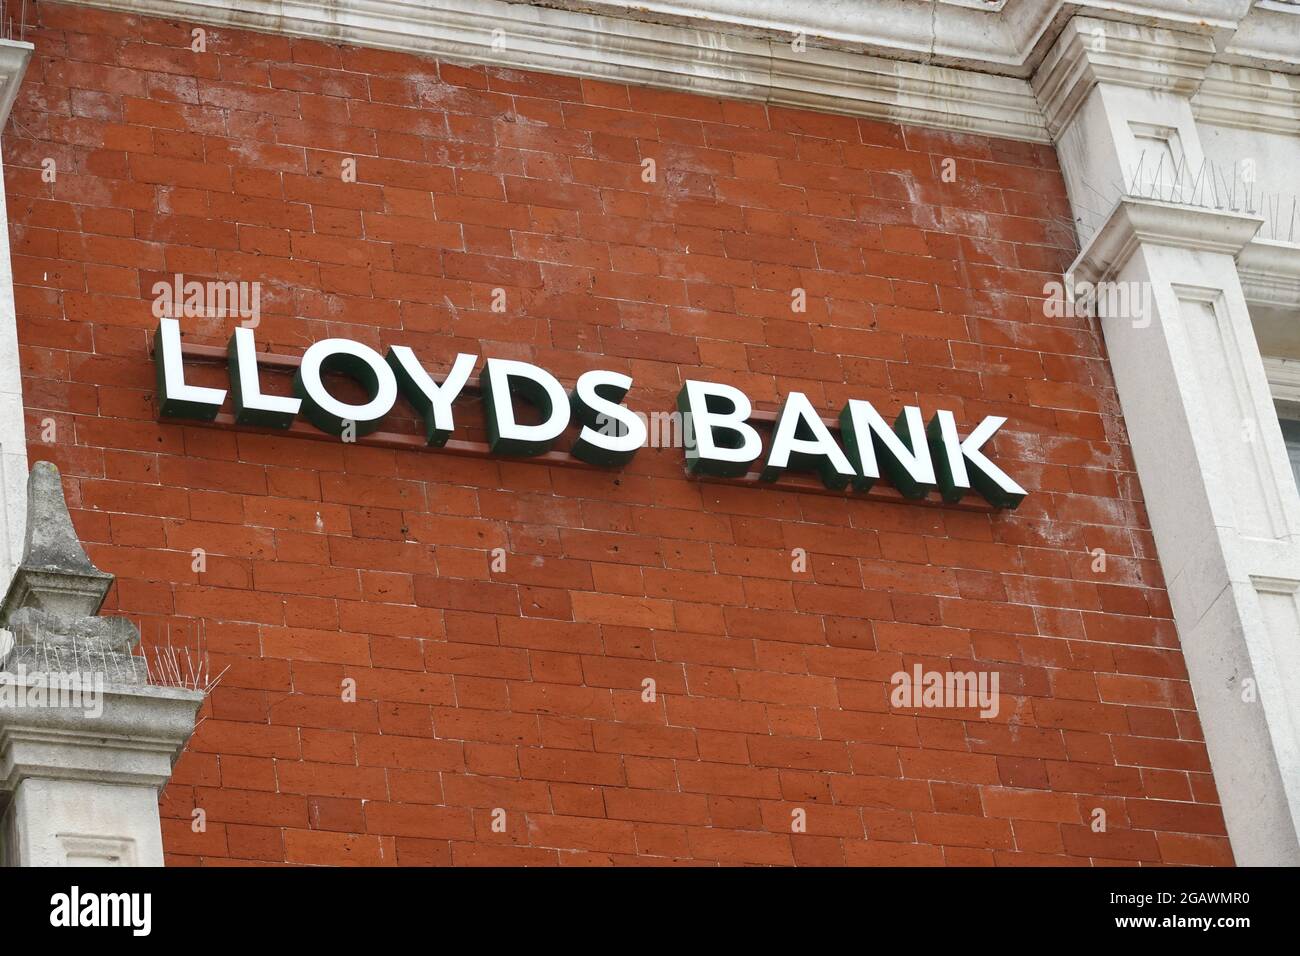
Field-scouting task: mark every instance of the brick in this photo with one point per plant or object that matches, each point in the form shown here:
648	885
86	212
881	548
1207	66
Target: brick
522	688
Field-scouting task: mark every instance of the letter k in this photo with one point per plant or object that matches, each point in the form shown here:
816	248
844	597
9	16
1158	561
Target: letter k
961	465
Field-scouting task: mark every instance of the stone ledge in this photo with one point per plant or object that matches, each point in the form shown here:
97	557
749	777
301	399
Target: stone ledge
1136	221
135	740
1270	273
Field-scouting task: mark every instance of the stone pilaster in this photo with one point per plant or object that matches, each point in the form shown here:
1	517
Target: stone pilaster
14	56
86	740
1162	234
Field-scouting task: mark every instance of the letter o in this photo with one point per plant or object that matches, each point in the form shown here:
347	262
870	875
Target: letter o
359	362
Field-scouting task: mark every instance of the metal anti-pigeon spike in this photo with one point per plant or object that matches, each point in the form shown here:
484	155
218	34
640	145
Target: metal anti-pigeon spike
1137	173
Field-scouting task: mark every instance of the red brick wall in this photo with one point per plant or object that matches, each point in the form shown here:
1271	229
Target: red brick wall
521	689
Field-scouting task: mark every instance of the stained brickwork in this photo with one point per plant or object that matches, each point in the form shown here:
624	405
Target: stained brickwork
522	690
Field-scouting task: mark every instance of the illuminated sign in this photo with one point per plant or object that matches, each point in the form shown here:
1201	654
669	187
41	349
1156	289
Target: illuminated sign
914	457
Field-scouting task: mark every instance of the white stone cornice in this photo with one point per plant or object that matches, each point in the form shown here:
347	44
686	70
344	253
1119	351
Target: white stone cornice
631	51
997	35
1001	36
1135	221
1270	273
899	91
1283	378
1090	51
1248	98
1268	37
953	64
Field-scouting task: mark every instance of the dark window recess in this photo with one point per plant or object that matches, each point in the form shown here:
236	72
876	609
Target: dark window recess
1291	434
